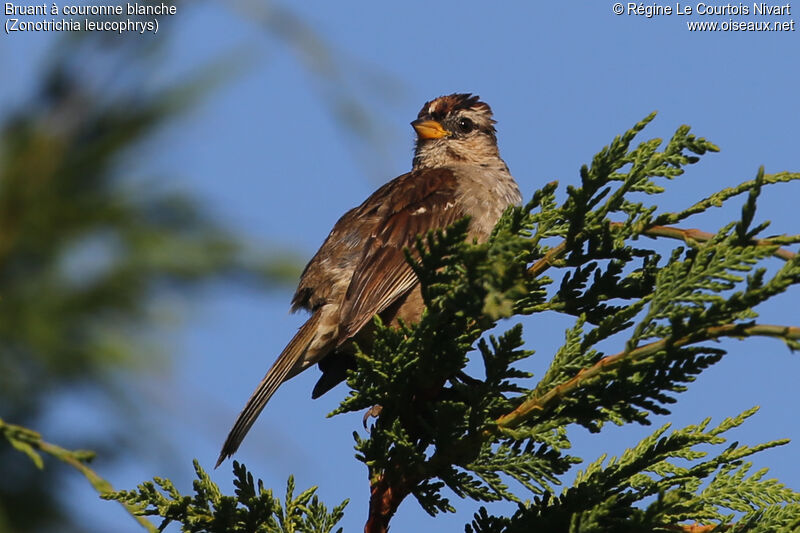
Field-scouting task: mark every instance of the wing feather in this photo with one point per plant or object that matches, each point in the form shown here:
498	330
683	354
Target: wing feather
426	200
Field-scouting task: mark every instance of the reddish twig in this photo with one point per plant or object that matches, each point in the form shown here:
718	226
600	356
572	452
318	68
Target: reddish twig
691	236
386	495
692	528
551	398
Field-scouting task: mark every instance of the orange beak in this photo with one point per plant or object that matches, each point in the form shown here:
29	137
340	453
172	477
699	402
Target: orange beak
429	129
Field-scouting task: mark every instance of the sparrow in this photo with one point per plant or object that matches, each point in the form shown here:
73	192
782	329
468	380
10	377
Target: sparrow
361	270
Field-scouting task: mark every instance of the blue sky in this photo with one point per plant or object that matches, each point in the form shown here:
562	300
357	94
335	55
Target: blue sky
267	155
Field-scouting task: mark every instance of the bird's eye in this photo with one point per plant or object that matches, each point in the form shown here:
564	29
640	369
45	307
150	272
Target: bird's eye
465	125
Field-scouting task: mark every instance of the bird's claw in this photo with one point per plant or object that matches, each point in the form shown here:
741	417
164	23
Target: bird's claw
372	412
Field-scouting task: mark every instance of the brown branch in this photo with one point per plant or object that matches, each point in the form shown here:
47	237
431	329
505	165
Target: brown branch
547	261
389	488
551	398
386	495
692	528
691	236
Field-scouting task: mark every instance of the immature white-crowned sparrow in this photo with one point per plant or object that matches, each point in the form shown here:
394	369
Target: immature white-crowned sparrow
361	270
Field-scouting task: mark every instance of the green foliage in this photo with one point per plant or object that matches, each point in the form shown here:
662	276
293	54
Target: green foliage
24	440
441	426
31	444
252	509
667	493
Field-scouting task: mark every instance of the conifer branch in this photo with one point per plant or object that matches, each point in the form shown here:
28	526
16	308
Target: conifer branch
717	199
29	441
547	261
468	456
691	236
612	362
252	508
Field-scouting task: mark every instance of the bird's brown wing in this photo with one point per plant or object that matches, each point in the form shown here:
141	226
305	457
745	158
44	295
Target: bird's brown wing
416	203
336	260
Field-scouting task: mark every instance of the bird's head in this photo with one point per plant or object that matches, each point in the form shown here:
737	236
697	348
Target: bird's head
455	128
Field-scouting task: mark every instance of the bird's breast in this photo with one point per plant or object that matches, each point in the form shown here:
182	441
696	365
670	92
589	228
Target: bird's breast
485	195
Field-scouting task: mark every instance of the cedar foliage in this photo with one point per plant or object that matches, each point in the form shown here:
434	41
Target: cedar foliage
500	434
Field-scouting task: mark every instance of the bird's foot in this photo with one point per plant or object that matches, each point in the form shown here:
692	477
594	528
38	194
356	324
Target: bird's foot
372	412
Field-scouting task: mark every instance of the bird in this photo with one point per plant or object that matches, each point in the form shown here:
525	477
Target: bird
361	269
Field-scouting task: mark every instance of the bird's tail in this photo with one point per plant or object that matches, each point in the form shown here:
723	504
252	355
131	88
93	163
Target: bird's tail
277	374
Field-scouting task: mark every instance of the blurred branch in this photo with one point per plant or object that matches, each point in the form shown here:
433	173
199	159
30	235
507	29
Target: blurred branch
347	101
30	443
86	250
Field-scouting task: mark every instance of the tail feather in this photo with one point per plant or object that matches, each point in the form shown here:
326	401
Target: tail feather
277	374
